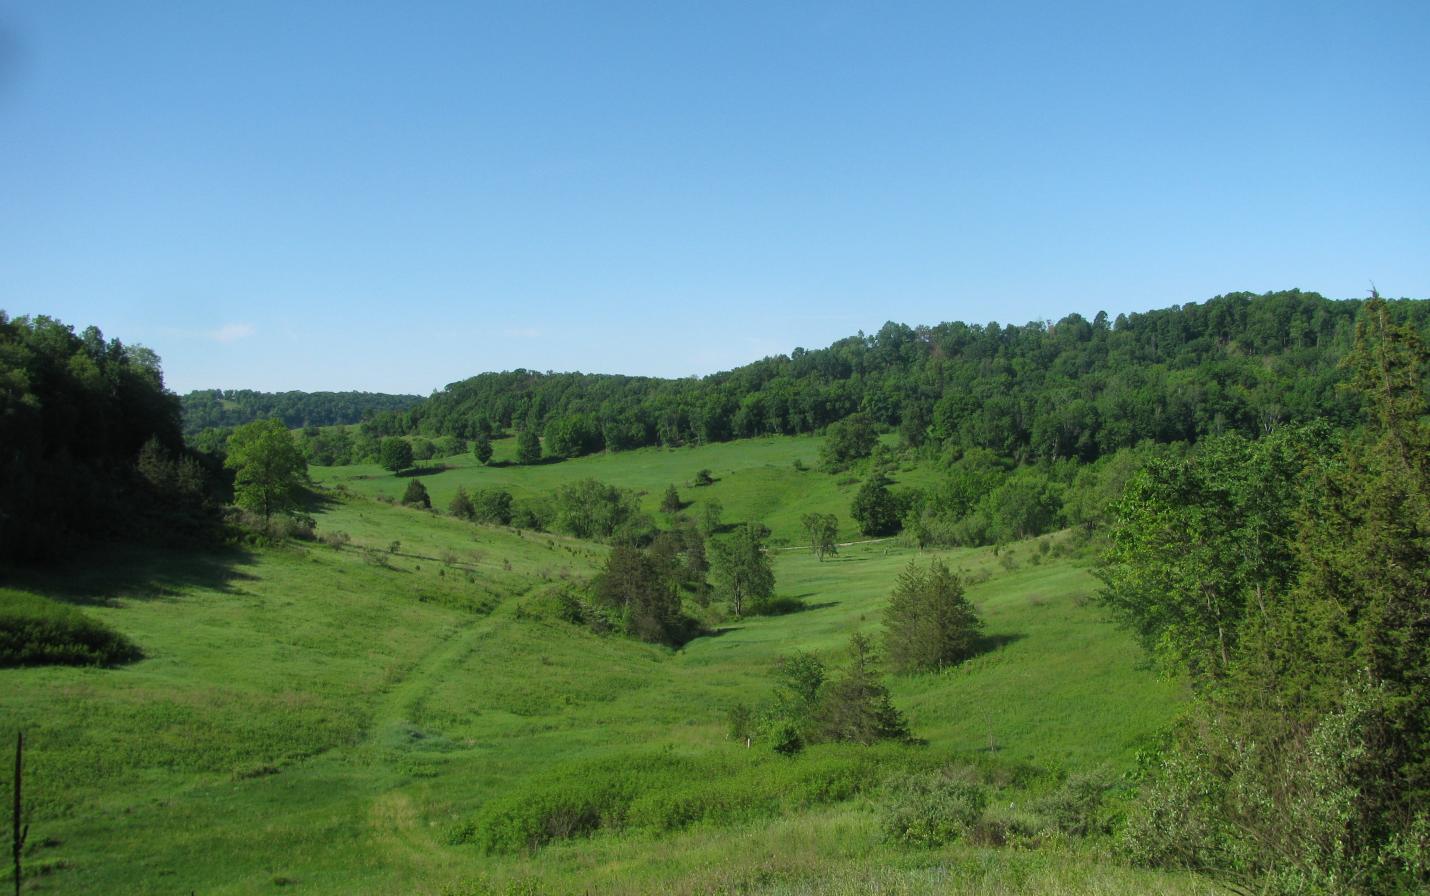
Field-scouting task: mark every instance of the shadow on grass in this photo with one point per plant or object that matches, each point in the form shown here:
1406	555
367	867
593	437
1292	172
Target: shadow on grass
422	471
784	606
137	572
990	643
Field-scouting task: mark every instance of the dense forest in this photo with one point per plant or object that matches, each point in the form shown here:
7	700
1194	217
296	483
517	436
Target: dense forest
1073	389
90	442
212	408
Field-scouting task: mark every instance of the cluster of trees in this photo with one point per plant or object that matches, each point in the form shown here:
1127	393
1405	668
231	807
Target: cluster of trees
809	706
1071	389
226	408
1290	579
76	411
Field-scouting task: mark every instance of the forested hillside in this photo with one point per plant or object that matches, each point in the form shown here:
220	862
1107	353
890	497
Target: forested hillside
90	442
1072	389
210	408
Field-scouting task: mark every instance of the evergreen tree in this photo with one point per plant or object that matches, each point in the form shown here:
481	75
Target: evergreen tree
634	583
528	447
928	623
461	505
482	447
670	504
416	495
856	707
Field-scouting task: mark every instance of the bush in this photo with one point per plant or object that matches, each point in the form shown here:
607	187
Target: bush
416	495
1075	808
662	793
932	808
35	631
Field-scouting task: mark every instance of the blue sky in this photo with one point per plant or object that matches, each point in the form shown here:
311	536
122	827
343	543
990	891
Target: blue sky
393	196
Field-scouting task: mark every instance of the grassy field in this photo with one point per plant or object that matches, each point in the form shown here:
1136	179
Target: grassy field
314	719
756	479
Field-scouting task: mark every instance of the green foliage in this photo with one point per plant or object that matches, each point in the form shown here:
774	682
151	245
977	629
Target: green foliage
37	632
423	449
75	411
591	509
461	505
1305	764
661	793
703	478
492	506
482	447
710	513
528	447
928	809
929	623
847	441
875	508
742	568
416	495
856	707
635	584
1073	389
1195	542
823	532
269	471
212	408
670	504
395	454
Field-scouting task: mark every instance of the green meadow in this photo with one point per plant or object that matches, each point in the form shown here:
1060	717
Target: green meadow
383	713
774	480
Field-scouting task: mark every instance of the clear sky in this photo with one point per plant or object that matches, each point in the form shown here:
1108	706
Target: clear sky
393	196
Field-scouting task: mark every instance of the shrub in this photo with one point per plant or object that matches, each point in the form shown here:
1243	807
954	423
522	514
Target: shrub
416	495
932	808
35	631
1075	808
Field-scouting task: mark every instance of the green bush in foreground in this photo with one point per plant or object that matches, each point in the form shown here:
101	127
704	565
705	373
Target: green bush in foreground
932	808
35	632
662	793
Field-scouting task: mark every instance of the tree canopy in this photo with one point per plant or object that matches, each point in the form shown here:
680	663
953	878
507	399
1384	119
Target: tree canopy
269	470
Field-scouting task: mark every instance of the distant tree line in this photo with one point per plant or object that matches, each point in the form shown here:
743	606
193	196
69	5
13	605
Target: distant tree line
1074	389
219	408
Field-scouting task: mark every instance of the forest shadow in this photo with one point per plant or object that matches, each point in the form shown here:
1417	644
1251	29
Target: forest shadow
106	573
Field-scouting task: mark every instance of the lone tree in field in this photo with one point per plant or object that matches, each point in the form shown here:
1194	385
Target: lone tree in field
528	446
461	506
395	454
482	447
670	504
416	495
742	567
929	624
823	529
269	470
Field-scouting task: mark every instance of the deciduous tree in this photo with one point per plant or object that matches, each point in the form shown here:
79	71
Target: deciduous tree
269	470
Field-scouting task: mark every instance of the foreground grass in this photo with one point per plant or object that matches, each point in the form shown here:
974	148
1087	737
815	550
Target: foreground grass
322	719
